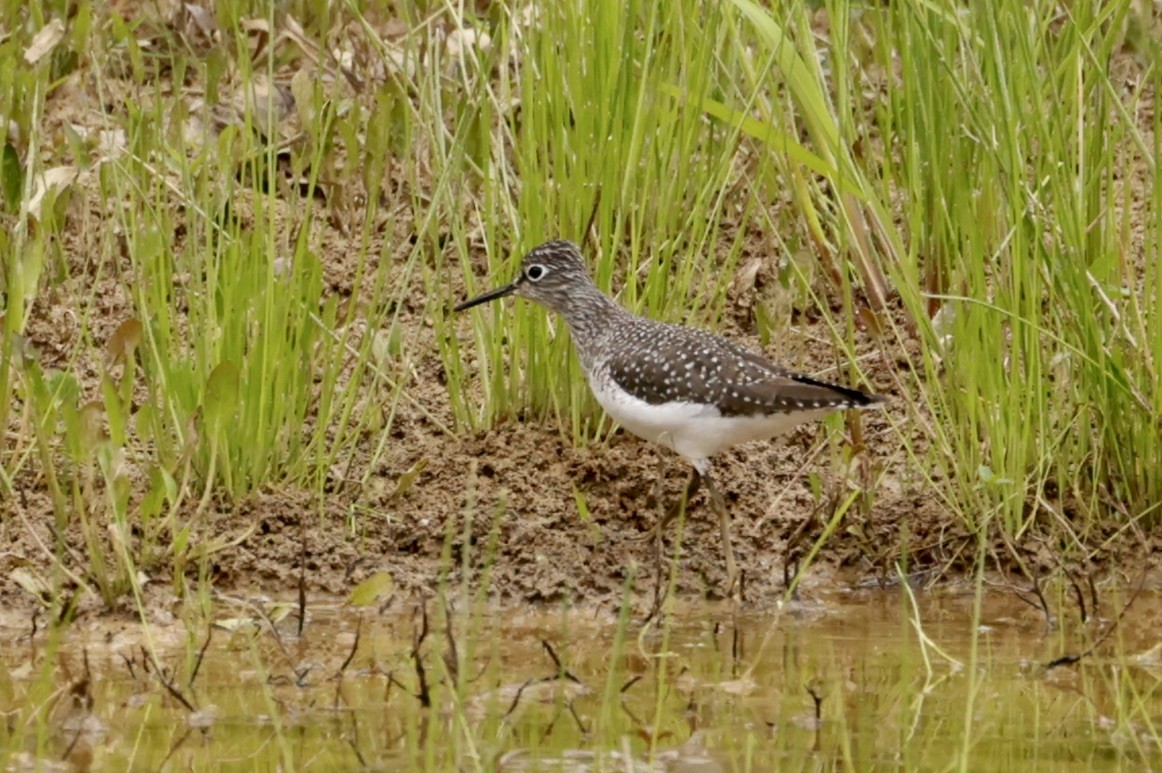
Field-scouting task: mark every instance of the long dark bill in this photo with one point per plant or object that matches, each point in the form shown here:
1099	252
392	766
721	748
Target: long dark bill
491	295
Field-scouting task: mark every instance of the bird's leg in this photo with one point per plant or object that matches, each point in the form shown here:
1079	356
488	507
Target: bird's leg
664	517
659	490
672	512
660	487
691	489
724	525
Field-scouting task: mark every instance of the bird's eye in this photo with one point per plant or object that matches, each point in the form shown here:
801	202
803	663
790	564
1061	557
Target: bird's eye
534	273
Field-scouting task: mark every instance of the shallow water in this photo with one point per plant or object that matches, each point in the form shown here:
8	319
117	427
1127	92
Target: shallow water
858	680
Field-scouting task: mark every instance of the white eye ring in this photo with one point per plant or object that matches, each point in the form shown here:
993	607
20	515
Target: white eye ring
536	272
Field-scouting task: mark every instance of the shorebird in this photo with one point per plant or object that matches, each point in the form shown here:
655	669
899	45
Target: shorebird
688	390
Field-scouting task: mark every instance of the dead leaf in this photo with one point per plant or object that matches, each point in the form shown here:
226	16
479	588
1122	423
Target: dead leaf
33	584
270	105
203	719
202	20
461	42
1151	657
92	424
746	276
256	25
55	180
44	41
740	687
518	696
395	28
124	341
238	624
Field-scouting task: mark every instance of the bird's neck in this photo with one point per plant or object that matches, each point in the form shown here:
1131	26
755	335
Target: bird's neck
589	313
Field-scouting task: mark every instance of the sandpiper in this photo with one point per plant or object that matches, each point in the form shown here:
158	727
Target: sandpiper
686	389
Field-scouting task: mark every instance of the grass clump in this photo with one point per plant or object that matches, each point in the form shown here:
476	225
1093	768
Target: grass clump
1022	181
1019	243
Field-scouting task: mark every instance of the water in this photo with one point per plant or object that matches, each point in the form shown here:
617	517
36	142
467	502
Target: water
856	681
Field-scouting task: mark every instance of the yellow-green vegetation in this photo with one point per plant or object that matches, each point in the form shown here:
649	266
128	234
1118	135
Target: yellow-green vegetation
231	234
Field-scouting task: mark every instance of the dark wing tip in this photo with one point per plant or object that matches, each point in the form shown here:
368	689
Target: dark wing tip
840	395
796	387
792	393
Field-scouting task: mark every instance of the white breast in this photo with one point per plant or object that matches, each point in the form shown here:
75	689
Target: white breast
696	431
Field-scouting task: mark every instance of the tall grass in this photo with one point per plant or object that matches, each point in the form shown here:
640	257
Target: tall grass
231	368
1022	245
1023	179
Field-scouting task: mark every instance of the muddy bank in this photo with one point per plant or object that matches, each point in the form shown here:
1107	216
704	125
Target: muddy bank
500	509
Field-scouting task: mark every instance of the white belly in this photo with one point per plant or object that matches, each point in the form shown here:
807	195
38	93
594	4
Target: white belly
695	431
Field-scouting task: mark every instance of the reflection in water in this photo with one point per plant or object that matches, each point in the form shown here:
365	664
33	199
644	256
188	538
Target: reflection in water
859	681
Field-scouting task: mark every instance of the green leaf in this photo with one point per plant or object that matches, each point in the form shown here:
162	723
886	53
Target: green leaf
769	134
143	421
11	177
181	541
582	505
115	410
799	77
221	394
406	480
372	591
62	387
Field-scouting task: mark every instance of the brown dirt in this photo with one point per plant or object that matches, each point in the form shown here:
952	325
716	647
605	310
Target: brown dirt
501	505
